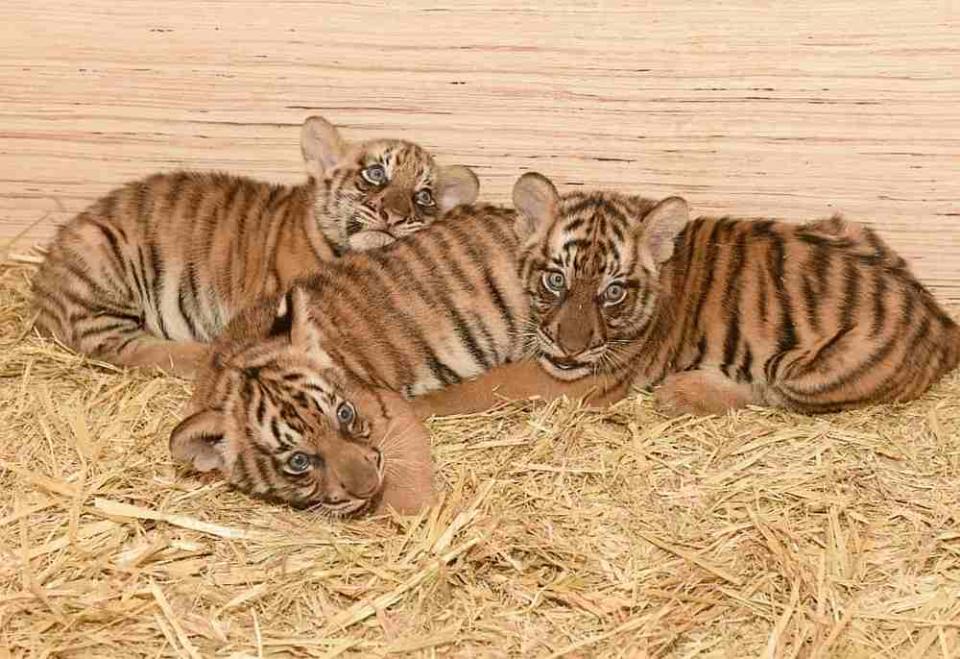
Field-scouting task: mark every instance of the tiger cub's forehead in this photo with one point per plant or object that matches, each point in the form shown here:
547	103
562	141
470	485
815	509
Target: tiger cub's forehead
295	393
401	159
595	233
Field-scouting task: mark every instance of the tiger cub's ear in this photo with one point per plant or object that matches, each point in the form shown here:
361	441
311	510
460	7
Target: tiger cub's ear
456	185
293	316
321	146
662	224
200	441
536	200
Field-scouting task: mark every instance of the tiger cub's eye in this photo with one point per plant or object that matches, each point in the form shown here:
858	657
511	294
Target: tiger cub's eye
554	282
299	463
346	414
424	198
374	174
614	294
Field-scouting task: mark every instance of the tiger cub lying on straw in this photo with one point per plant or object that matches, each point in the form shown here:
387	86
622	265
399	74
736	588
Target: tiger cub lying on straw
719	313
280	420
155	268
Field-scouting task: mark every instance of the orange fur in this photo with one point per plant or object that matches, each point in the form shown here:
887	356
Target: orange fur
720	313
155	269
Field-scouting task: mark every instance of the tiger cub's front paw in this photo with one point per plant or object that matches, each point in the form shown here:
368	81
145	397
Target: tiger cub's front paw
699	393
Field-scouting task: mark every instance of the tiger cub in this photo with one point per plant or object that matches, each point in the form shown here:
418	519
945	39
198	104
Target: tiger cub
148	274
722	313
282	422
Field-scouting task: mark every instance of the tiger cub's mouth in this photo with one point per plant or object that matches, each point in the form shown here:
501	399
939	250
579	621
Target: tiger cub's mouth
349	507
564	368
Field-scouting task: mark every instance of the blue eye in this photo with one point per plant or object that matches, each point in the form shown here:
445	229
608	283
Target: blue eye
299	463
554	282
346	414
424	198
374	174
614	294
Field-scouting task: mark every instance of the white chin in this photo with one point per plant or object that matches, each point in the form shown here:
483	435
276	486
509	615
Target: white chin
364	240
559	373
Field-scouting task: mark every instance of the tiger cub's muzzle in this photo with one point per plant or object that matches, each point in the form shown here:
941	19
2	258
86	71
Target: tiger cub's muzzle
355	486
571	340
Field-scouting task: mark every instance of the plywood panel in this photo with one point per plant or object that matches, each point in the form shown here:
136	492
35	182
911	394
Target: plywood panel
794	110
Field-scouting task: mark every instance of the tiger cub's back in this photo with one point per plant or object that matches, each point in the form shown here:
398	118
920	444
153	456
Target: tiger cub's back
433	309
172	254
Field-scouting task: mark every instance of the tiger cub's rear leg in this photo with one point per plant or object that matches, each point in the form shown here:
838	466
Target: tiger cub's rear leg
118	338
849	369
701	392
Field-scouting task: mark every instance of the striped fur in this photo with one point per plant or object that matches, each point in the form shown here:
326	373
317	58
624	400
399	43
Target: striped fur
151	272
721	313
432	309
428	312
305	444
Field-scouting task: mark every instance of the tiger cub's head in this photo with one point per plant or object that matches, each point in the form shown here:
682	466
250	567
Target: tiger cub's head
590	263
374	192
280	421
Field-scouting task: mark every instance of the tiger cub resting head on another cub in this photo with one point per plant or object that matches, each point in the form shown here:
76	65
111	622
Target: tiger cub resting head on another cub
147	274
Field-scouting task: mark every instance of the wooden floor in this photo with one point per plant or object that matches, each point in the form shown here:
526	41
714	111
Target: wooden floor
793	110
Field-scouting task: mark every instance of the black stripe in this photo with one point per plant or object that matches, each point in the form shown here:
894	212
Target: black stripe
746	364
851	294
701	353
706	282
786	332
110	328
156	265
617	232
73	267
731	304
879	302
118	348
593	202
181	305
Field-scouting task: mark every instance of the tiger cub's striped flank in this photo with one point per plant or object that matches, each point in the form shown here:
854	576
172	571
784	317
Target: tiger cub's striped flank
148	274
721	313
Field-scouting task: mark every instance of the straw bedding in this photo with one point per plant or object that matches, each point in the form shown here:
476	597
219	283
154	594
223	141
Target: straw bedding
559	531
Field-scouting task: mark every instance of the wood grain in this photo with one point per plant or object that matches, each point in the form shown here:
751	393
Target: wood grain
794	110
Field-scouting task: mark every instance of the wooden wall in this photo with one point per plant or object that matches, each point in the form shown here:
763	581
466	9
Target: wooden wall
793	110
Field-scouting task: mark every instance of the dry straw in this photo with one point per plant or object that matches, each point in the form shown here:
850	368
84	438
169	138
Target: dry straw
559	532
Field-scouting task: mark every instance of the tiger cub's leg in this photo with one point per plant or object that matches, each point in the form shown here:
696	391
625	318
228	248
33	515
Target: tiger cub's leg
118	338
180	358
511	382
701	392
93	290
854	367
